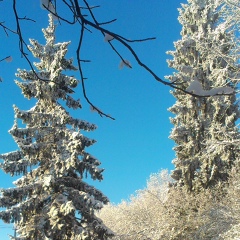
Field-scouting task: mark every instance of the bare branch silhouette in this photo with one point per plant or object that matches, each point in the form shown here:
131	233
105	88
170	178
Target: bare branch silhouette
88	22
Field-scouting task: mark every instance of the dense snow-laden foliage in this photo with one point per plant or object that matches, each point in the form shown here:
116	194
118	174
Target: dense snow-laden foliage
140	217
207	64
159	212
51	199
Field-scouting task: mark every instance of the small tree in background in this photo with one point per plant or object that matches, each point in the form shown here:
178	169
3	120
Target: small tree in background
51	200
207	65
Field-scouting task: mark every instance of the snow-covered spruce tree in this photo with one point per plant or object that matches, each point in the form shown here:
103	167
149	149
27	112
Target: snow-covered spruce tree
51	200
206	65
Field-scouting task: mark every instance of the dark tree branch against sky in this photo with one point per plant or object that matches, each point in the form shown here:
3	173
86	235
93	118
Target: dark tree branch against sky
82	14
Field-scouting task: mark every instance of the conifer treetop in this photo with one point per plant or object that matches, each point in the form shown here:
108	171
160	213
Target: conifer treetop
51	200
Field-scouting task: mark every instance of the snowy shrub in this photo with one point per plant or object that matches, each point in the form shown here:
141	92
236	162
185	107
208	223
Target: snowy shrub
163	212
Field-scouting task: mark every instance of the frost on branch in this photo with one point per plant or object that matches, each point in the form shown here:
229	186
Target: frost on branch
51	199
196	88
47	4
9	59
108	37
44	3
125	63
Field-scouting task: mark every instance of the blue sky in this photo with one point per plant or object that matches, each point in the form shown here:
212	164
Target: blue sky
136	144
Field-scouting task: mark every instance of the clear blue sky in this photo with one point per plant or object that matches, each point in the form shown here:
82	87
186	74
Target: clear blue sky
136	144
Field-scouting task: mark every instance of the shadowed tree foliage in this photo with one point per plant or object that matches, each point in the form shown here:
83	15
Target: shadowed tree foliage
206	64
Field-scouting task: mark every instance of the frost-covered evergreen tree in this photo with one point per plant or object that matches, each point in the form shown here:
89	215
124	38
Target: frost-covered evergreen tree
51	199
206	64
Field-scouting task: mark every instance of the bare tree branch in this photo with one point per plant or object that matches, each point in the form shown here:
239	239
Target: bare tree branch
82	19
27	19
4	58
6	29
80	67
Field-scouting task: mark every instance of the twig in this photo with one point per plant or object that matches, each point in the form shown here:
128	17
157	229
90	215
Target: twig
5	58
81	72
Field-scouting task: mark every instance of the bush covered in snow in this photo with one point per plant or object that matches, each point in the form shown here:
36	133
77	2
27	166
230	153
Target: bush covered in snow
163	212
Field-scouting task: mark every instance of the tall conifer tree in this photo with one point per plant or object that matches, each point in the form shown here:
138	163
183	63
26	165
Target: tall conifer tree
205	65
51	199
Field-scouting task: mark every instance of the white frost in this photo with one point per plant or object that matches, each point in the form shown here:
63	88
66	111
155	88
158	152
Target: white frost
221	90
45	3
196	88
8	59
108	37
125	63
47	181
